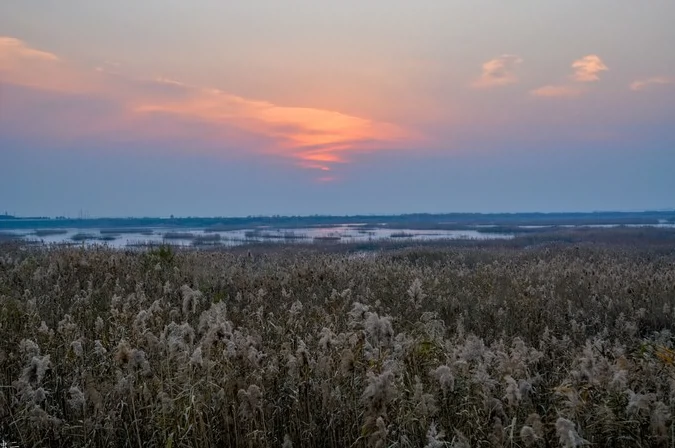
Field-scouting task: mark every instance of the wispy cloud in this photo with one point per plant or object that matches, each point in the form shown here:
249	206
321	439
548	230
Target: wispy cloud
643	84
173	82
559	91
11	47
108	67
326	179
21	64
317	138
499	71
313	137
588	68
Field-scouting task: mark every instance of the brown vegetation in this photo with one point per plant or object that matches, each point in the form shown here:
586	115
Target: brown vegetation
416	347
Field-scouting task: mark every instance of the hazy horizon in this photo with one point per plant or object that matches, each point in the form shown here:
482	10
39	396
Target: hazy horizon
83	215
215	108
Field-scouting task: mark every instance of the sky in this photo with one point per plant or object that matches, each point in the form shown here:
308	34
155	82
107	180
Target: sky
301	107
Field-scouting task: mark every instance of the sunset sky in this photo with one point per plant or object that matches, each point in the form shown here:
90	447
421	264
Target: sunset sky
212	107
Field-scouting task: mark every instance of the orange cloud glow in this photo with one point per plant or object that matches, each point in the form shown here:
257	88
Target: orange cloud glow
312	136
315	138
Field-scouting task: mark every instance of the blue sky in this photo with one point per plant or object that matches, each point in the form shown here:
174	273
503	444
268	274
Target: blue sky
300	107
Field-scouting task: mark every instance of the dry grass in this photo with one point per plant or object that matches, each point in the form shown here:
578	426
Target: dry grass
452	347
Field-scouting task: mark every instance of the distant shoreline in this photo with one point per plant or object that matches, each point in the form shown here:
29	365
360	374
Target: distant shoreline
420	221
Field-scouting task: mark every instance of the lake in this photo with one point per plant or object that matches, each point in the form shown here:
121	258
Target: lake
347	233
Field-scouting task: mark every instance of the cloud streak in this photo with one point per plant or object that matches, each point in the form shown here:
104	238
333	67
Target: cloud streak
557	91
500	71
315	138
644	84
11	48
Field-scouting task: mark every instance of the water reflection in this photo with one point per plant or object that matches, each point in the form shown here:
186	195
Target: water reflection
347	233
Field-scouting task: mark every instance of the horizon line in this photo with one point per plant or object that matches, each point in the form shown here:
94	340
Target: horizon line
6	215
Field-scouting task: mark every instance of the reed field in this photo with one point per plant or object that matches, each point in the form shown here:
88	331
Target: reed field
564	345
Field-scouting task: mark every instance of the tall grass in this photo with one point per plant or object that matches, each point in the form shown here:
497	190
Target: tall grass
452	347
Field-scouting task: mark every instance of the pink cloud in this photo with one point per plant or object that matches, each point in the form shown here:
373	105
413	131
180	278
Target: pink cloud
499	71
643	84
588	68
317	138
313	137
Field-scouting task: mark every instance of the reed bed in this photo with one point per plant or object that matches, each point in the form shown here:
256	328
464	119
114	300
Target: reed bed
297	348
